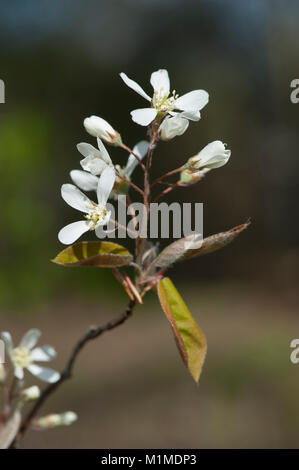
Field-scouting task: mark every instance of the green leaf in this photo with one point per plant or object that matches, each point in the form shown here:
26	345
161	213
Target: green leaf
97	254
214	242
190	339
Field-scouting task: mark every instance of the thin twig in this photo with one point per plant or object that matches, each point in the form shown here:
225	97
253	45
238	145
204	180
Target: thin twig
167	190
123	282
131	184
92	333
125	147
169	173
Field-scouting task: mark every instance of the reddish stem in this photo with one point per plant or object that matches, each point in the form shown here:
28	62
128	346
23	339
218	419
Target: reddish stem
131	184
125	147
169	173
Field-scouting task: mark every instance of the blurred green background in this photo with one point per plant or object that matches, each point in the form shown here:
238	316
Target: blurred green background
60	63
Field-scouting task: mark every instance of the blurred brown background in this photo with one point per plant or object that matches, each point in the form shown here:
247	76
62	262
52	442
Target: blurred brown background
60	62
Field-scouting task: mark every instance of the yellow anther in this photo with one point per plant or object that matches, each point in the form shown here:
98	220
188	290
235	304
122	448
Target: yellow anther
22	357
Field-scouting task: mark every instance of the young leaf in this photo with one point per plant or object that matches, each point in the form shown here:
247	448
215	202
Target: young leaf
10	430
214	242
176	250
190	339
98	254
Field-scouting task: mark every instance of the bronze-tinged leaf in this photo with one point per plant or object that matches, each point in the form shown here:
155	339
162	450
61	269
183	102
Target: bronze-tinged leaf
190	339
10	430
97	254
176	250
215	242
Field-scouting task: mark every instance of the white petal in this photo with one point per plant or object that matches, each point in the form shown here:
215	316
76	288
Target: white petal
131	84
140	150
88	150
104	154
75	198
84	180
18	372
191	115
193	101
160	81
173	126
30	339
93	165
43	373
71	232
144	116
105	184
6	336
44	354
104	221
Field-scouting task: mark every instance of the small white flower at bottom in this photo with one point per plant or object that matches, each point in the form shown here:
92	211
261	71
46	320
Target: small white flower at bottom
24	356
53	420
31	393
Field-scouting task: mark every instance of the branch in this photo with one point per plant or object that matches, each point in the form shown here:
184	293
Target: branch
92	333
167	190
125	147
130	184
169	173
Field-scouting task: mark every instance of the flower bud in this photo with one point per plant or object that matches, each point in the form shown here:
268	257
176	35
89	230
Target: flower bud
191	177
214	155
173	126
2	373
53	420
31	393
98	127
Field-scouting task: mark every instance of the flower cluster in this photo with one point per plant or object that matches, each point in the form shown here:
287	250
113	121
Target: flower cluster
23	357
168	117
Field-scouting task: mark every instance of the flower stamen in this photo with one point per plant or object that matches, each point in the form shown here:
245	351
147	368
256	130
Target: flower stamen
162	102
22	357
96	215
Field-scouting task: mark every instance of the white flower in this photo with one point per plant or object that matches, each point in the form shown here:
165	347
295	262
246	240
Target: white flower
53	420
98	127
163	102
84	180
96	214
31	393
173	126
96	160
24	356
214	155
